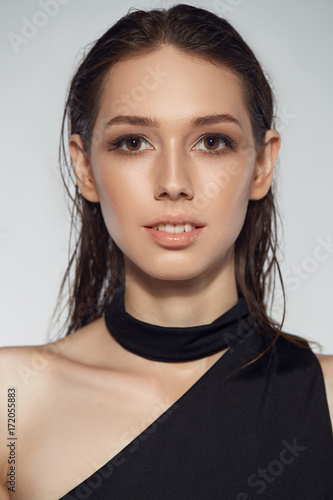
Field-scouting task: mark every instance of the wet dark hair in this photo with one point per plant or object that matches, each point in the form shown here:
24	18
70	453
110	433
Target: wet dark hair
96	265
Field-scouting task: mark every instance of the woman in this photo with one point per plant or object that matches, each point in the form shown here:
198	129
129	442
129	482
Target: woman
172	380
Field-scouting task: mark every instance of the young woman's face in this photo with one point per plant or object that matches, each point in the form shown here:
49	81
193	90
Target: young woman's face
173	150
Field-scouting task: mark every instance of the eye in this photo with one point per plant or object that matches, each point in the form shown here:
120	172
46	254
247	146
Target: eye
134	144
215	143
129	144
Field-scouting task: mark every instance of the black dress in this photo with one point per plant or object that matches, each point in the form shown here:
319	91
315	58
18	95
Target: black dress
264	432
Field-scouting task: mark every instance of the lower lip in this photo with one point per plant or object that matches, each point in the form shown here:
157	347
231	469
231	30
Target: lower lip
174	240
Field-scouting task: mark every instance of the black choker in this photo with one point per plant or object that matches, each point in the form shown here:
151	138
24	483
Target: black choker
161	343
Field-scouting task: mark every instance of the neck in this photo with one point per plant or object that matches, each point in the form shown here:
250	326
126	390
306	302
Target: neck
191	302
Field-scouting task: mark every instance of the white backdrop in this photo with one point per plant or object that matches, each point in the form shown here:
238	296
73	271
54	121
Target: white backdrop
41	44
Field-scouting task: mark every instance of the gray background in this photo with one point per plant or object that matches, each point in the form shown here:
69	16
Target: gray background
293	41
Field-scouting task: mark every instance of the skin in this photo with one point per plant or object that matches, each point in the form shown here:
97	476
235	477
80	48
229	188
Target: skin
163	286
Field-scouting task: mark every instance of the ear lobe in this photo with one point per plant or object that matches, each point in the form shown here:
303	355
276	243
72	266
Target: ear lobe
264	169
82	168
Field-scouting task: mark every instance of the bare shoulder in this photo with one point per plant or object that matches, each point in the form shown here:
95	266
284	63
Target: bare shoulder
17	392
15	357
34	370
37	384
25	367
30	366
24	370
28	375
326	362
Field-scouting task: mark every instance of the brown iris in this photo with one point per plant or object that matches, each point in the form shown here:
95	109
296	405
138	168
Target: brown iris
212	142
133	144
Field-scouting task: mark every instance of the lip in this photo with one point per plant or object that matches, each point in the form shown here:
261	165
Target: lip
179	240
169	240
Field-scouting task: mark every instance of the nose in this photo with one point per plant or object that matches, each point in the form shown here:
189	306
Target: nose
173	177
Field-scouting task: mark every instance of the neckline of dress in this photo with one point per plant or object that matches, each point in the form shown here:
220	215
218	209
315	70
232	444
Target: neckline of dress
176	344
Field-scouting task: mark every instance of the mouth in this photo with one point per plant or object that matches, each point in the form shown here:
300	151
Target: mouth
174	236
175	231
175	228
175	224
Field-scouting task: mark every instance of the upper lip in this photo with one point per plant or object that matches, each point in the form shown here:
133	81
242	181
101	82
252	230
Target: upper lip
176	219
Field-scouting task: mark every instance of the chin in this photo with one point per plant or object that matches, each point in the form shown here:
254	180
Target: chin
175	277
176	273
166	271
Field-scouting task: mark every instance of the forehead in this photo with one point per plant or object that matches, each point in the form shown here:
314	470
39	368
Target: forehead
172	85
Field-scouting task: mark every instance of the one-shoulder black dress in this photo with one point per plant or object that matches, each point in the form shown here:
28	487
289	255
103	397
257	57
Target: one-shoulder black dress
263	433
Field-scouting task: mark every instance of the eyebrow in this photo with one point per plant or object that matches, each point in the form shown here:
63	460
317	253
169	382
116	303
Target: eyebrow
132	120
144	121
212	119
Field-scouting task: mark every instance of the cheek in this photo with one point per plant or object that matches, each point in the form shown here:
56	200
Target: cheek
121	198
225	188
110	194
228	202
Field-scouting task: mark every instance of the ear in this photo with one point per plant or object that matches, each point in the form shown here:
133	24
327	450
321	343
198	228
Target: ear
82	168
264	168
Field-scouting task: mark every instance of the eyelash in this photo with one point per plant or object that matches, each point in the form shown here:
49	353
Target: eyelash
230	144
114	145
